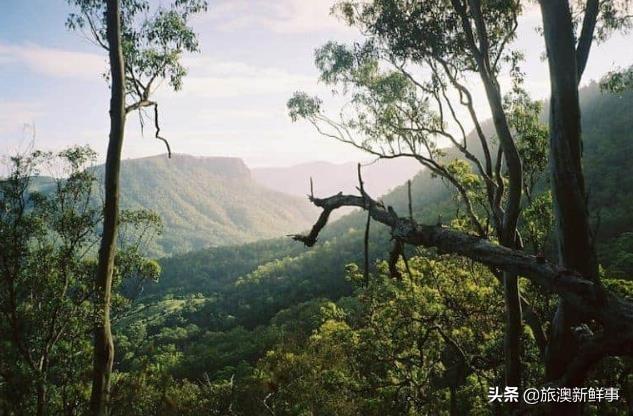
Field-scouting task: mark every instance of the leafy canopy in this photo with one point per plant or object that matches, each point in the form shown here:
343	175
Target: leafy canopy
154	37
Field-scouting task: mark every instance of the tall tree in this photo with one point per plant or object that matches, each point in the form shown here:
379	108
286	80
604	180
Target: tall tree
103	343
430	46
144	46
567	60
402	113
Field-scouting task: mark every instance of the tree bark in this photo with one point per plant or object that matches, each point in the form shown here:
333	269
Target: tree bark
103	342
514	328
41	398
575	248
592	9
574	239
507	234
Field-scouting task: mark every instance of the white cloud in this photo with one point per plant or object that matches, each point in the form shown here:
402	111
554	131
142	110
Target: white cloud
53	61
245	86
210	78
280	16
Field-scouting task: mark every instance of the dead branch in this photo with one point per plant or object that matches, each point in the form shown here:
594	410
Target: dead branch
157	135
613	312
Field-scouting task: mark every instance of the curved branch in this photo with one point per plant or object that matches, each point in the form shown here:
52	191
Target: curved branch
157	134
148	103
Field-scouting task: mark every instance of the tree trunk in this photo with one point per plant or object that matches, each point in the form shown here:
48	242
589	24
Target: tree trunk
41	398
103	343
575	248
508	232
514	327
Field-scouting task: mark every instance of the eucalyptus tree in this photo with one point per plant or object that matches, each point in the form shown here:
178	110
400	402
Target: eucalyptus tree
145	44
401	111
416	79
397	346
618	81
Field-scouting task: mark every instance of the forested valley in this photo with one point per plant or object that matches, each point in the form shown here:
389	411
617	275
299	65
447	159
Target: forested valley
185	285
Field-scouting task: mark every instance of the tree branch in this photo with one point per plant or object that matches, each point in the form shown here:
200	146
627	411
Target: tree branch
586	36
613	312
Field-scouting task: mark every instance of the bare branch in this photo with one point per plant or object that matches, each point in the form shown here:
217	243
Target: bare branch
157	135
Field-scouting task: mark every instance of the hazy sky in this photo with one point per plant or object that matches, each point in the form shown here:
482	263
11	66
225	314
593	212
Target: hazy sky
255	54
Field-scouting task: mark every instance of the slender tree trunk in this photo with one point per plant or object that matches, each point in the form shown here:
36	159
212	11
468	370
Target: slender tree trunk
506	230
507	234
575	248
41	398
453	401
103	343
514	328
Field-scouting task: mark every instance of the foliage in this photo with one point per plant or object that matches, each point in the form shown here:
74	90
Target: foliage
47	252
153	39
407	349
618	81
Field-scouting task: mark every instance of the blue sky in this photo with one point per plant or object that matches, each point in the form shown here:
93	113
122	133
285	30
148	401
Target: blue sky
255	54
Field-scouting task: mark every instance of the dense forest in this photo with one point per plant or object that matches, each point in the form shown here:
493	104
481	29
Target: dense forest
179	285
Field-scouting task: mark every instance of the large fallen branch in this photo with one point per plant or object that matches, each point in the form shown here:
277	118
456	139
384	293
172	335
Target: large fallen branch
612	312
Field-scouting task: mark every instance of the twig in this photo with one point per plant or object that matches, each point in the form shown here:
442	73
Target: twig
157	135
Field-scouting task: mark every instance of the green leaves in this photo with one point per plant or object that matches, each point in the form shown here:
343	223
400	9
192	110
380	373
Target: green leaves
396	347
301	105
154	37
49	228
442	30
618	81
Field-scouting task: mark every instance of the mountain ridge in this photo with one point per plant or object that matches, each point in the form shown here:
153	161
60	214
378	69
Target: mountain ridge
207	201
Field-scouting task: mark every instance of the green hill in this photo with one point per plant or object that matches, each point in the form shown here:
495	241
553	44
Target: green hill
208	201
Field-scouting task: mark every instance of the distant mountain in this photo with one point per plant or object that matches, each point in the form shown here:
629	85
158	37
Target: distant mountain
330	178
208	201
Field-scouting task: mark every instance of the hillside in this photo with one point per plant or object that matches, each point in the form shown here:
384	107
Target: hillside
208	201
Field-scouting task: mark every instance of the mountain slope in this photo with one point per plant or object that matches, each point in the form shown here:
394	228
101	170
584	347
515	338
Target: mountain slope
208	201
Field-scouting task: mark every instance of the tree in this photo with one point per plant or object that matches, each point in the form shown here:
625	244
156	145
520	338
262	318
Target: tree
567	59
143	47
45	279
430	48
398	114
618	81
398	346
48	230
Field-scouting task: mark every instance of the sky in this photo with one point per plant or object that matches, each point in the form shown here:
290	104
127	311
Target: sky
255	54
